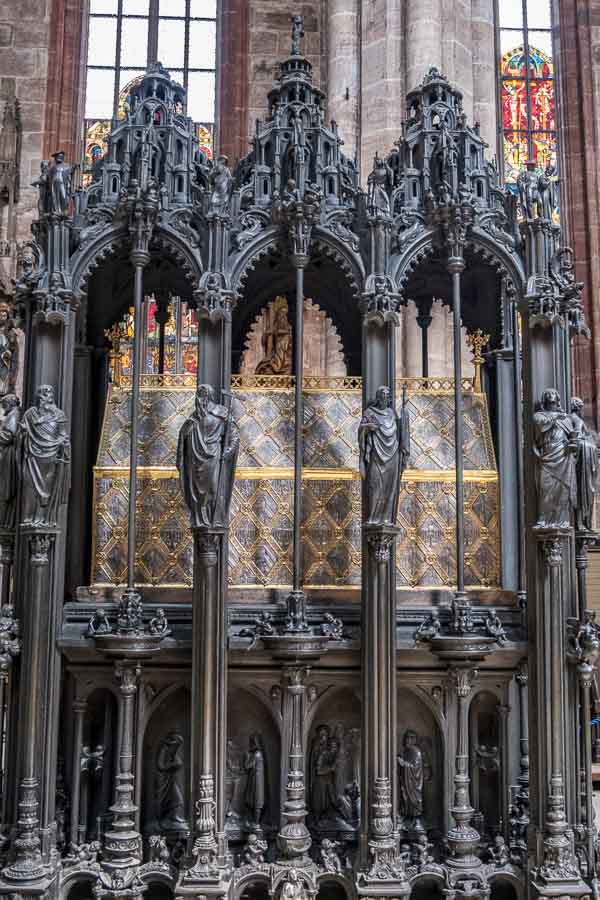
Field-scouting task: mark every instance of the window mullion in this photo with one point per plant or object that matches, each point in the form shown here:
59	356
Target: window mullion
118	59
153	32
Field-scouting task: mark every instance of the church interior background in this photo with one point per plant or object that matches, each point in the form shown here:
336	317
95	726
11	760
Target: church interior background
299	556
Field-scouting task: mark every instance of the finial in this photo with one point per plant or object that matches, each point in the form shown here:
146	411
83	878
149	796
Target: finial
297	33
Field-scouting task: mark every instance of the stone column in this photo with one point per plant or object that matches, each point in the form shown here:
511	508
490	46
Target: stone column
484	62
7	550
79	710
343	74
423	39
27	868
294	839
122	841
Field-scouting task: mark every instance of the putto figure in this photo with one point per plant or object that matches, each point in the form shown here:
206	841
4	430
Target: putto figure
9	430
206	457
555	447
46	458
586	467
384	442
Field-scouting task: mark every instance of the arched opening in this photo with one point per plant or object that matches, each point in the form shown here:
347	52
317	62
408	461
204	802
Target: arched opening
331	890
486	763
166	771
256	890
420	769
81	890
501	889
156	890
97	765
426	889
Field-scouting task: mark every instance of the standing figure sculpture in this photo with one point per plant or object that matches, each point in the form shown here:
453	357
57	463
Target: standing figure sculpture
379	185
255	785
169	783
586	467
46	457
529	194
293	888
9	474
297	33
58	184
384	442
555	445
206	456
9	351
411	766
221	186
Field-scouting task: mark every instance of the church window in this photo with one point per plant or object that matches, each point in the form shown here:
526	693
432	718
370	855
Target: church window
527	86
124	36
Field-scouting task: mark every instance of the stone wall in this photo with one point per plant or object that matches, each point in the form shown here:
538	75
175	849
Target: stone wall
24	41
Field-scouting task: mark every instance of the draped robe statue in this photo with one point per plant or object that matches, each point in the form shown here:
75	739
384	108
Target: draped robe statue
411	779
9	430
586	467
255	785
206	456
555	446
384	442
169	783
46	455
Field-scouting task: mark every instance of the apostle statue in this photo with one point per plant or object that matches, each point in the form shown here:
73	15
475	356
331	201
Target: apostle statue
555	446
529	194
206	455
221	186
58	184
46	457
9	431
411	766
169	783
379	184
9	351
254	765
384	442
586	467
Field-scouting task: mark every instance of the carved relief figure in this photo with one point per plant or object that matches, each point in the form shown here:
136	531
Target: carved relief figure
255	784
586	467
334	777
9	430
169	783
206	456
9	351
379	186
292	888
411	766
384	443
555	446
277	341
46	450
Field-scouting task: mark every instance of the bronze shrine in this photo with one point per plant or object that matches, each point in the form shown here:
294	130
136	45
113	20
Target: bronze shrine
278	620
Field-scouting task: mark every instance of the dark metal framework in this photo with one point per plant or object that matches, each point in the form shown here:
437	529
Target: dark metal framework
122	770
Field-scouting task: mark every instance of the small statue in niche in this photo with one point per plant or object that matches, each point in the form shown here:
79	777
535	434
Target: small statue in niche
546	193
254	851
379	185
555	447
46	459
57	185
9	472
221	187
9	351
320	771
206	456
384	443
158	850
159	625
529	194
328	854
334	774
254	765
169	783
586	467
276	341
412	776
293	888
98	624
233	777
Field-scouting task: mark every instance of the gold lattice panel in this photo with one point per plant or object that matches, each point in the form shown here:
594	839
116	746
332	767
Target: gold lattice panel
260	547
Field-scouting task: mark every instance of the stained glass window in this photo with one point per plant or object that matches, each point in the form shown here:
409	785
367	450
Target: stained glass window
170	345
123	37
527	86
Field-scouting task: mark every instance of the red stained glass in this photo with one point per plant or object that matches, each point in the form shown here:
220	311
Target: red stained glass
205	138
544	149
543	109
95	147
514	104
